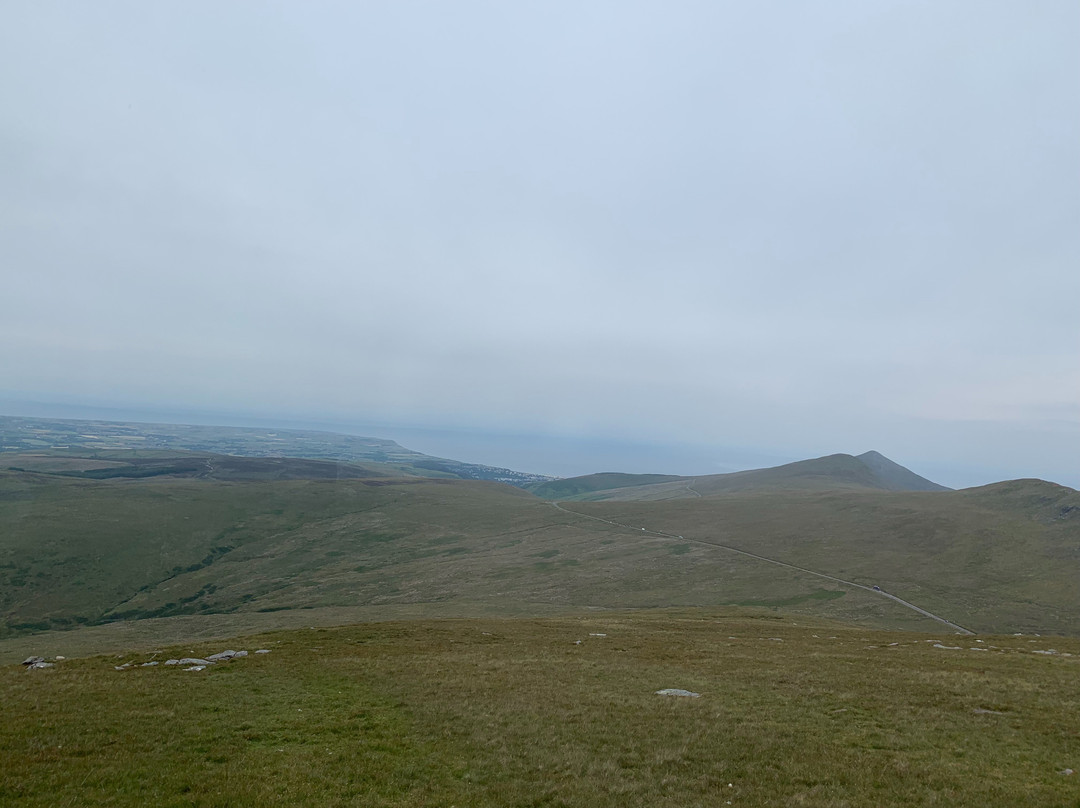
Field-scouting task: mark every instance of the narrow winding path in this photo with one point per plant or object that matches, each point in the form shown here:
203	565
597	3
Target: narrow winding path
870	589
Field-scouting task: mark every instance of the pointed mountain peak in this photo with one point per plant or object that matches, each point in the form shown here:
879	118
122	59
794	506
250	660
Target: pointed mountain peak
894	477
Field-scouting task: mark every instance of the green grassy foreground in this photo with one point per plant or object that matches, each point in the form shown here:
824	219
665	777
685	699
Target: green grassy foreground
491	712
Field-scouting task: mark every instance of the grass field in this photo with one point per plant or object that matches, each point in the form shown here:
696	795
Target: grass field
1001	558
82	552
541	712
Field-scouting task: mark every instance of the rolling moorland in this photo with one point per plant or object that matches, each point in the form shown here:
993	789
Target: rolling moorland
539	622
95	536
547	712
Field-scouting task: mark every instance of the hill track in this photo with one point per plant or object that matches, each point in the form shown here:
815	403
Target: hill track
639	529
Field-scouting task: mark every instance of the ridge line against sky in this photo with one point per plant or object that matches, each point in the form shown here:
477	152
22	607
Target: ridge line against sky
792	229
549	454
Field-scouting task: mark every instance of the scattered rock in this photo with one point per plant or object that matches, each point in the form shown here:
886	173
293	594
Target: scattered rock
597	635
192	663
60	657
39	665
33	660
674	691
1048	652
947	647
1066	772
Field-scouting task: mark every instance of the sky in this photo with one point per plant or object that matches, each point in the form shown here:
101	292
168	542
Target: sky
680	236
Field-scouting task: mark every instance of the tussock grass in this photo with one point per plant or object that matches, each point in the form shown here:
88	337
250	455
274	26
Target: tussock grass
516	713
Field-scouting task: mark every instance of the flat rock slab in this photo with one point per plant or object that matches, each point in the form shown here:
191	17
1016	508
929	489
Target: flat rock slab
224	655
674	691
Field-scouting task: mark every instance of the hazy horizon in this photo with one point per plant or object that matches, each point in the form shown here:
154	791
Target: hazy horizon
553	455
689	233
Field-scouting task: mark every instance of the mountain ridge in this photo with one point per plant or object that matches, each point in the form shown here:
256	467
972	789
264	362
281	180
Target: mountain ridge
870	471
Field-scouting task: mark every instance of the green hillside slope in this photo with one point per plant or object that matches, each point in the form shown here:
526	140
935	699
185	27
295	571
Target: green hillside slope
894	477
869	471
81	551
78	552
571	487
1004	557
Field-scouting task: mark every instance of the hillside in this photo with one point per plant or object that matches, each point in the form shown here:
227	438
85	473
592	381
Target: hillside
570	487
894	477
999	558
869	471
236	541
83	552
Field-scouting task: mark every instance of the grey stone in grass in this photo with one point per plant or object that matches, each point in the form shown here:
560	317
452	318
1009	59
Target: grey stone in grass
263	651
172	661
33	660
674	691
148	664
194	661
224	656
196	668
40	665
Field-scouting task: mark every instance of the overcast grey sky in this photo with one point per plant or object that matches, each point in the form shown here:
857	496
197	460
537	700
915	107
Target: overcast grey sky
794	228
